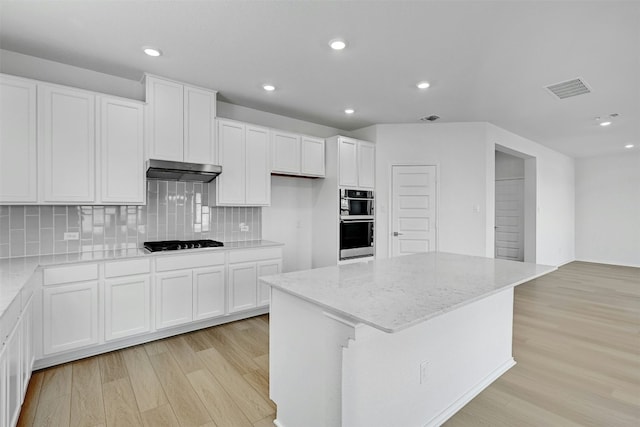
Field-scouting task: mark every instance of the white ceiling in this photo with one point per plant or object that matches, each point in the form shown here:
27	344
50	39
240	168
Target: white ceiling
486	61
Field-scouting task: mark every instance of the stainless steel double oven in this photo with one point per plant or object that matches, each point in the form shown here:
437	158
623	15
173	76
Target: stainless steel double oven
356	223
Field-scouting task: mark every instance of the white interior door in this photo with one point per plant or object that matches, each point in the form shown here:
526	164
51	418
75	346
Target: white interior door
509	228
413	201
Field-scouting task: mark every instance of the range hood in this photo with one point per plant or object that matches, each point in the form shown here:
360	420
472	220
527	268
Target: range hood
182	171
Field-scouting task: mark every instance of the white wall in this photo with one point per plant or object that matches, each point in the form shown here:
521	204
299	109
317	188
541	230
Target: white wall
458	149
55	72
608	209
555	186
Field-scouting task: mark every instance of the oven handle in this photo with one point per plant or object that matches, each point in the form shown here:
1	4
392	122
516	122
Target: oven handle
352	221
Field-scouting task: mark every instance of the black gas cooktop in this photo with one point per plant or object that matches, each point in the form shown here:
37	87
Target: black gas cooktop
174	245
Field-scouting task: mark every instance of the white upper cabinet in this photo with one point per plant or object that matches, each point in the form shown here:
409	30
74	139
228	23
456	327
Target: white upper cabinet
18	176
180	121
348	161
121	158
258	175
199	125
286	152
356	163
366	164
312	156
231	154
165	119
66	141
294	154
243	153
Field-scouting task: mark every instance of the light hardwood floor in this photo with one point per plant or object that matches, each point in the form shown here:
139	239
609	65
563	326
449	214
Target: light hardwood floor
576	341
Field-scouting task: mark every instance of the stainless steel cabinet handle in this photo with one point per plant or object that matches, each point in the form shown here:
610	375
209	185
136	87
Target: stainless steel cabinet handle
395	234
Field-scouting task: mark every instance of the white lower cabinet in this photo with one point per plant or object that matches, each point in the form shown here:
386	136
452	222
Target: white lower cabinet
242	286
28	355
127	304
174	303
70	317
244	269
208	292
267	268
14	374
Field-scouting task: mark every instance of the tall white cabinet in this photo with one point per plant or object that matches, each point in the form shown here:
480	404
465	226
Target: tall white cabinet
243	152
66	135
180	121
18	162
121	156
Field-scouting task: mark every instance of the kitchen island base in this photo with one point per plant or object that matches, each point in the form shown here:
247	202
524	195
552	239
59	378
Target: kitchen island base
327	370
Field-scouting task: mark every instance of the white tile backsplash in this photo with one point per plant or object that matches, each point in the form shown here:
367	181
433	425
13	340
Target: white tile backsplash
174	210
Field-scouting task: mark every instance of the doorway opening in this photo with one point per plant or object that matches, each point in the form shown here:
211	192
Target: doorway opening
515	205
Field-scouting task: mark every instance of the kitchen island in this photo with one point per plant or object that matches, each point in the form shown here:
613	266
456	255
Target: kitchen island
403	342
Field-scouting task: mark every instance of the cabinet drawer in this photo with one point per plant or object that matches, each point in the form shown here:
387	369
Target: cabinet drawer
167	263
126	268
254	254
72	273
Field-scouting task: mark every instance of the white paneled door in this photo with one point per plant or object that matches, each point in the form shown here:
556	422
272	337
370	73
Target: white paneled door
509	228
413	202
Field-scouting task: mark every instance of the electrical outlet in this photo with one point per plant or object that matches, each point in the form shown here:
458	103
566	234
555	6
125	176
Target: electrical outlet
71	236
423	371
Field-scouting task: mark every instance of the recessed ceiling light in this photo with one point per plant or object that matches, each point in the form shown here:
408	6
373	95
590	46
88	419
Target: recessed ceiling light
269	88
337	44
349	111
423	85
629	146
152	51
605	123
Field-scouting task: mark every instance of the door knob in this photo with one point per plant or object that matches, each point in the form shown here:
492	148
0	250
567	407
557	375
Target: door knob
396	234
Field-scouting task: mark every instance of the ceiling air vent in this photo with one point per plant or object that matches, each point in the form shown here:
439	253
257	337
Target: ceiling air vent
569	88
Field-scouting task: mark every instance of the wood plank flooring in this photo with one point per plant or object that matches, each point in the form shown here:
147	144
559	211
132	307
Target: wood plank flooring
216	377
576	341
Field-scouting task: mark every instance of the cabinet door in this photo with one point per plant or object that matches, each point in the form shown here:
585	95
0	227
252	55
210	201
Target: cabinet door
348	161
121	148
366	164
70	318
230	185
286	152
258	186
199	125
312	156
165	119
28	356
267	268
18	156
14	374
208	292
66	139
4	389
126	307
174	302
242	286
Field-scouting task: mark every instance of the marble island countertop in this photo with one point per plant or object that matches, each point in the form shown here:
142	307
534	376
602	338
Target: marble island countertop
15	272
394	294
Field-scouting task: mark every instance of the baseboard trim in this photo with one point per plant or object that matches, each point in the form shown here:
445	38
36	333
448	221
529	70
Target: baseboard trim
469	395
592	261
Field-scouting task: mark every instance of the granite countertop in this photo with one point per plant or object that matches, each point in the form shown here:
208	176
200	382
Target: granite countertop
15	272
394	294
